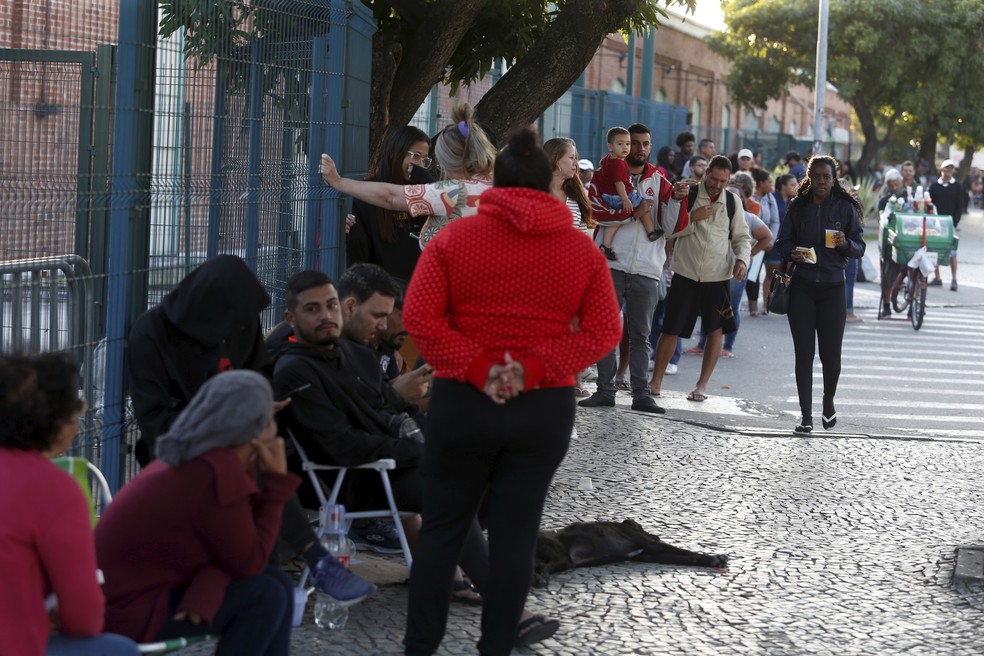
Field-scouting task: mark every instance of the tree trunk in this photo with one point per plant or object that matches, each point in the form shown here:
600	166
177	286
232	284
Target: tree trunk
961	173
415	69
552	65
927	150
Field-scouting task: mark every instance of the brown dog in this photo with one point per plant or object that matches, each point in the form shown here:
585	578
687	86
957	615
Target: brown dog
583	544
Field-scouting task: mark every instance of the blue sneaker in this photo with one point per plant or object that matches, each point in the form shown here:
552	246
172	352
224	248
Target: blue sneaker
377	535
336	581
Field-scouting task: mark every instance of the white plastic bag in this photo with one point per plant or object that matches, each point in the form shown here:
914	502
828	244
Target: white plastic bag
926	262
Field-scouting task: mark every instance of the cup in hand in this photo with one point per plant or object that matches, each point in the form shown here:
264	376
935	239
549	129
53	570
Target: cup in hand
828	239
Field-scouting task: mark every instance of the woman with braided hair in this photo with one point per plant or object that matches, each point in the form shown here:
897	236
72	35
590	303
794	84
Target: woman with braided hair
822	229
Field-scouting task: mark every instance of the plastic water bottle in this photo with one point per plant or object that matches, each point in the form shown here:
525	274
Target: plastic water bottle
328	614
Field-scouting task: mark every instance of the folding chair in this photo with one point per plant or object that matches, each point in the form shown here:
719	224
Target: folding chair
90	479
391	513
98	494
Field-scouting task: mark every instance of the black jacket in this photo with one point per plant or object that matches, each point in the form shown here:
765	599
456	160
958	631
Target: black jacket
804	225
344	418
209	323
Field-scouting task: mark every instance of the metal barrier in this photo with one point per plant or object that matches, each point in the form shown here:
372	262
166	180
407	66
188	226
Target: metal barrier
46	304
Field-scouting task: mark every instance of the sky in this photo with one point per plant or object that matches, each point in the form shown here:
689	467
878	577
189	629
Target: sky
709	14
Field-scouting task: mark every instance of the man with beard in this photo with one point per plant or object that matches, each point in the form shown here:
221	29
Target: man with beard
636	273
372	303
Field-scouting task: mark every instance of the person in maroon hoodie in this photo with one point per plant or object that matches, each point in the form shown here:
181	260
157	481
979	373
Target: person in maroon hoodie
185	545
502	342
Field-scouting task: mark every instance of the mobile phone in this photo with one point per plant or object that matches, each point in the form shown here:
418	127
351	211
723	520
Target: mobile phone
294	391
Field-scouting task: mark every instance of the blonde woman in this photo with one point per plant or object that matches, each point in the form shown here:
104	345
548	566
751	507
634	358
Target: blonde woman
465	156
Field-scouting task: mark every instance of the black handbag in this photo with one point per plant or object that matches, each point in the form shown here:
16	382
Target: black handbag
779	291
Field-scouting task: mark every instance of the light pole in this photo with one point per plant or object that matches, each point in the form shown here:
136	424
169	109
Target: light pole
821	78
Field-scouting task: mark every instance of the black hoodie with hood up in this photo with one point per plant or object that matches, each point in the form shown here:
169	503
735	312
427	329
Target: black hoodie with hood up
209	323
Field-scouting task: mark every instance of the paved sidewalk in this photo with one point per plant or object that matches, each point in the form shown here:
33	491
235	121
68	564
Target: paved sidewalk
838	545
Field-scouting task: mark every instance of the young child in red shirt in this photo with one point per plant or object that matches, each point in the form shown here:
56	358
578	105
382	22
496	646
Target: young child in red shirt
612	185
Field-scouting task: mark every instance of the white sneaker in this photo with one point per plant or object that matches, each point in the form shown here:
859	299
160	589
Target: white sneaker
671	369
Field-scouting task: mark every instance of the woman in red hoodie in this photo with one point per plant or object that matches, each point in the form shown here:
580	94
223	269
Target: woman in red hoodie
502	341
46	544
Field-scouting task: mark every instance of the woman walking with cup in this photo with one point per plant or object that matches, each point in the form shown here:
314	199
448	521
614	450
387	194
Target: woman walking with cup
821	231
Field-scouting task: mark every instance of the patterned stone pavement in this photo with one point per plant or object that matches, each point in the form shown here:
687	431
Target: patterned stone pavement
839	545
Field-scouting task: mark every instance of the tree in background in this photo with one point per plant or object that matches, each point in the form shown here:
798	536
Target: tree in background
546	45
905	67
422	42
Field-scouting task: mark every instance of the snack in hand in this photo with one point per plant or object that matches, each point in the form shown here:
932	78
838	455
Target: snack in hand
809	254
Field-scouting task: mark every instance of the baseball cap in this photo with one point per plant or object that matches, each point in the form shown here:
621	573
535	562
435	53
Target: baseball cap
946	163
745	152
585	164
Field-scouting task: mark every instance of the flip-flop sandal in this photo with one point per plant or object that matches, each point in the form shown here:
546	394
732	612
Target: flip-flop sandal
622	384
535	629
581	393
697	396
465	593
652	393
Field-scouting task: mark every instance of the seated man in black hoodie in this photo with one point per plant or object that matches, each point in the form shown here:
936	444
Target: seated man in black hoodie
210	323
350	414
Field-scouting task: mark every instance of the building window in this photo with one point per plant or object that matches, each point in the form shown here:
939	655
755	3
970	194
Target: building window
696	113
660	95
774	125
751	121
618	85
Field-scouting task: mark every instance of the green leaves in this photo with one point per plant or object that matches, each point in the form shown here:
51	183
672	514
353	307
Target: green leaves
892	59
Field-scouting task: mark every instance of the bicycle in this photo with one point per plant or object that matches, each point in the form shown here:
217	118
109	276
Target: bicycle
911	294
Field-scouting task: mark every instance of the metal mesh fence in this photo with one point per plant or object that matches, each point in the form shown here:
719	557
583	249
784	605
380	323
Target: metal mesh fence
138	139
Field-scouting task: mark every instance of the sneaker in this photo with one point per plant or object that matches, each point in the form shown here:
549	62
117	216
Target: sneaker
935	282
597	400
885	313
647	404
335	580
671	369
377	535
953	286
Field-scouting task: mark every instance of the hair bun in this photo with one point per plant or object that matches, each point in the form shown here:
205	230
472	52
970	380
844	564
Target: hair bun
523	142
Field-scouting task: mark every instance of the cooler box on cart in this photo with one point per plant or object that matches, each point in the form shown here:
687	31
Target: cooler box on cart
903	236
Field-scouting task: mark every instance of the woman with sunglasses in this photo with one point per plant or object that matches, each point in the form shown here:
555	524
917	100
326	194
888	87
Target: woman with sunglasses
466	156
381	235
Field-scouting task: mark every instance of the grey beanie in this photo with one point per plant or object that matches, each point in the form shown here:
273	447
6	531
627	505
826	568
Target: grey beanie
231	408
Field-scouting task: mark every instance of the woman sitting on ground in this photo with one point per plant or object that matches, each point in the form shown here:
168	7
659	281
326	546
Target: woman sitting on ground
46	545
465	155
185	545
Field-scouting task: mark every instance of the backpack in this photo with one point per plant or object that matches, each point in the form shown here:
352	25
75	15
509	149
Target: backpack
729	199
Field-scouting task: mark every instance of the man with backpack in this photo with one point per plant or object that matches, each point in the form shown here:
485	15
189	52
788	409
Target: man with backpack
704	234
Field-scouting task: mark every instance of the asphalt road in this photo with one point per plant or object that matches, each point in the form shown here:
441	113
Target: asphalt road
895	380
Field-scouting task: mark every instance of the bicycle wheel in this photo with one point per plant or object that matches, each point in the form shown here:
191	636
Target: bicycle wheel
900	300
918	281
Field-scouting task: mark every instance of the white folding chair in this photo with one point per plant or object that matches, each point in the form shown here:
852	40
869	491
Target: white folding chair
391	513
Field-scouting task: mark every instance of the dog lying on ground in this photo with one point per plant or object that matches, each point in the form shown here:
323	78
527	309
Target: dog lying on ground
584	544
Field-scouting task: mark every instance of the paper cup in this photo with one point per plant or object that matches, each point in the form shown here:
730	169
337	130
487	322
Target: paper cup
828	238
585	484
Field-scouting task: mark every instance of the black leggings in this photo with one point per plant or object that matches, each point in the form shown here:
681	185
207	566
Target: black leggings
816	309
506	455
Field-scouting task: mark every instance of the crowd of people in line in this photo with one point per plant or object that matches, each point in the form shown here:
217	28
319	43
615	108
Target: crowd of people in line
454	344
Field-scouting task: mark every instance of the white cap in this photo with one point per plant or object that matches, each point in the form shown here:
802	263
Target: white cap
745	152
946	163
585	164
